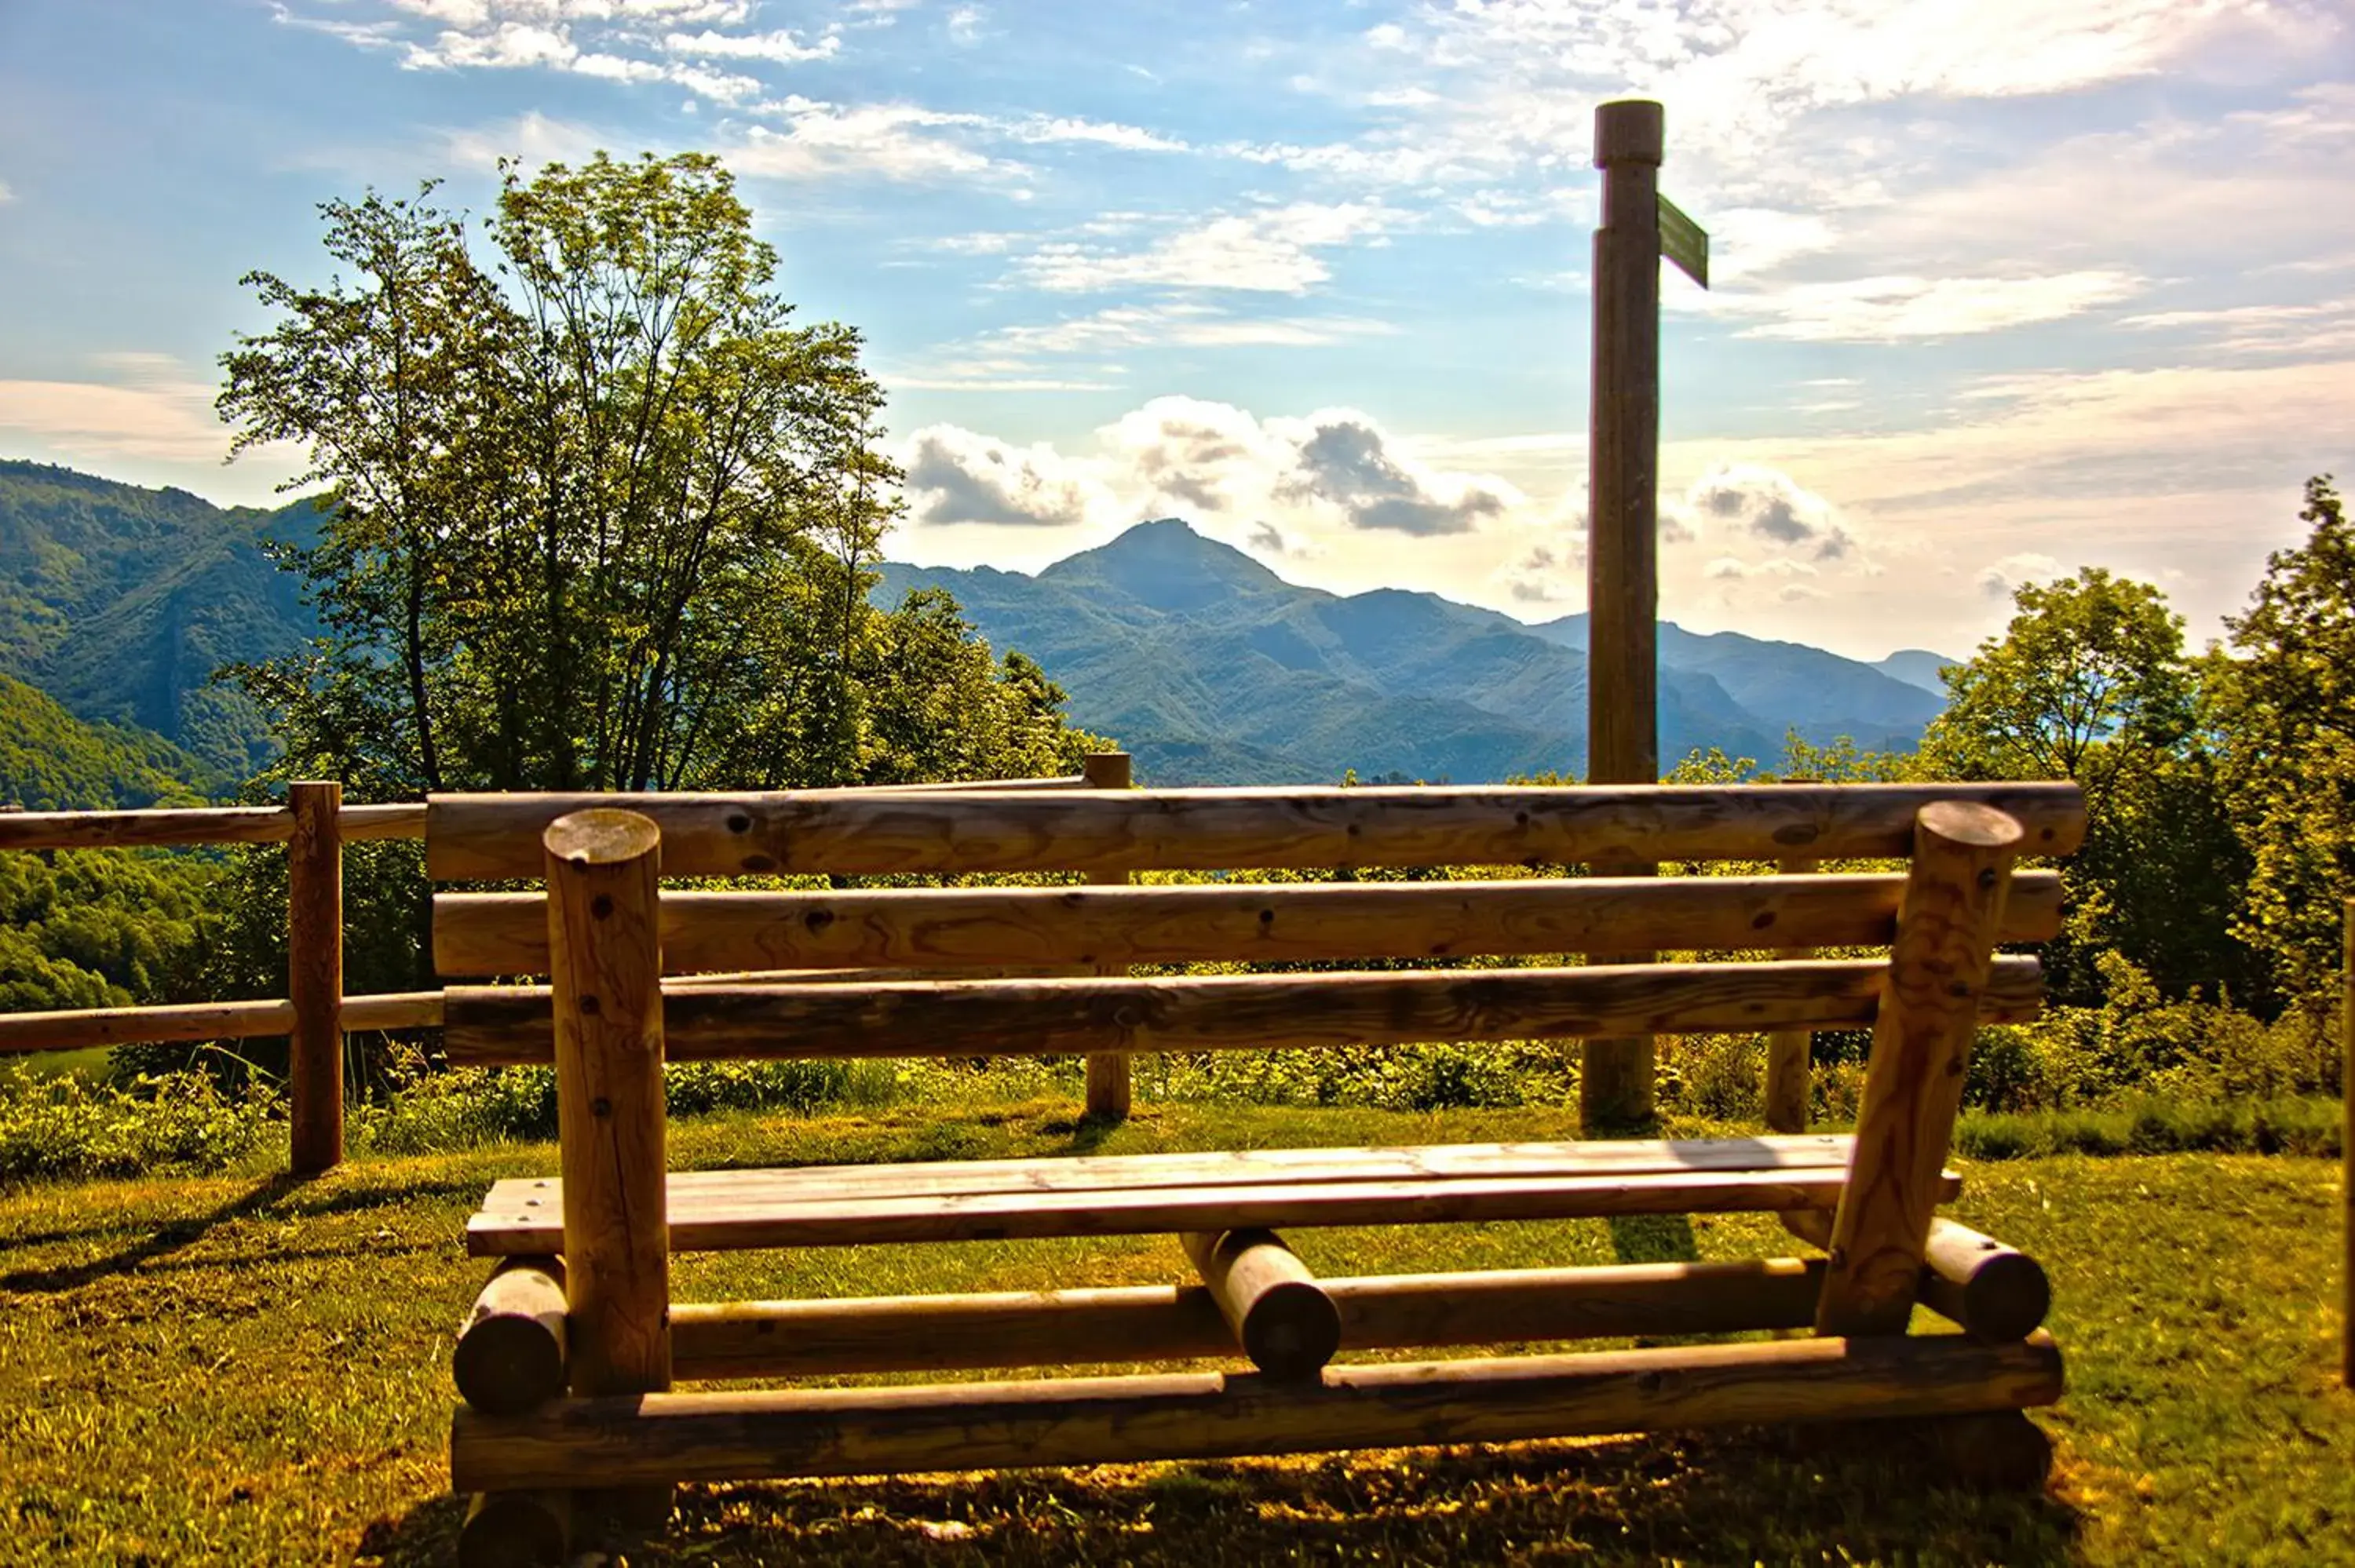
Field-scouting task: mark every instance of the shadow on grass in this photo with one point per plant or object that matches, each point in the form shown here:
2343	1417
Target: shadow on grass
167	1238
1736	1498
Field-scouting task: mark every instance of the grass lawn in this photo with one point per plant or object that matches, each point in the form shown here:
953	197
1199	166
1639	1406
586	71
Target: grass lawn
247	1370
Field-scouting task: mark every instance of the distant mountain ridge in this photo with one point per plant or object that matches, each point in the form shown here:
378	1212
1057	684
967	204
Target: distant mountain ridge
1213	669
121	602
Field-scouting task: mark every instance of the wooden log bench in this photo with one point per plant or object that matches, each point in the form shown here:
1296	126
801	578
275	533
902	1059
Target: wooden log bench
568	1363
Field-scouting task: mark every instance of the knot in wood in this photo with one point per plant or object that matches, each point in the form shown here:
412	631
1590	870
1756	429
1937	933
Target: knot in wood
601	1106
600	908
590	1007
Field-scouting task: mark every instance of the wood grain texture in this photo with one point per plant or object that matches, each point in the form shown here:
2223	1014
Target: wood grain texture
1281	1316
396	820
510	1353
1938	972
315	977
873	1431
82	1028
489	1025
1251	1167
1789	1051
717	1224
480	837
1115	927
602	868
1995	1291
138	830
1110	1086
1172	1322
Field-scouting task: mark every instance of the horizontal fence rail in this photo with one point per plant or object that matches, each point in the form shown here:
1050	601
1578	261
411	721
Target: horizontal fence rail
496	837
949	929
84	1028
494	1025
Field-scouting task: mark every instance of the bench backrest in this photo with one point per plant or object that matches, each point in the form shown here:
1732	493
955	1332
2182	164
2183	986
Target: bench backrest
914	971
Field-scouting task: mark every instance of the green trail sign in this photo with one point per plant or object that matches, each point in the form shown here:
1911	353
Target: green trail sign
1684	242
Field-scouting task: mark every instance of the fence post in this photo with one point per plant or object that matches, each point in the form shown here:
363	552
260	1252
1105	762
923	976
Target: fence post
314	975
605	974
1108	1079
1789	1051
2347	1150
1615	1088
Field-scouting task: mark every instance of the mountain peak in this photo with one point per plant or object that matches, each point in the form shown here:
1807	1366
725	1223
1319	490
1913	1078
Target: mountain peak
1167	564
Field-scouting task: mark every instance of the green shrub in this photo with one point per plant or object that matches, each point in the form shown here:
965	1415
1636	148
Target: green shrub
68	1127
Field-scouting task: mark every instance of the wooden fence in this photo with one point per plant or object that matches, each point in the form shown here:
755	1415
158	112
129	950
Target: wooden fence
315	1014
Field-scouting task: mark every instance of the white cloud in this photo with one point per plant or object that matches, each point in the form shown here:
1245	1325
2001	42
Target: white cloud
782	47
1767	506
6	195
1047	128
510	45
2002	579
958	476
535	138
895	141
1271	250
1875	310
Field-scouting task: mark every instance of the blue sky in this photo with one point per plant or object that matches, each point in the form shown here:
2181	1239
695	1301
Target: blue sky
2003	286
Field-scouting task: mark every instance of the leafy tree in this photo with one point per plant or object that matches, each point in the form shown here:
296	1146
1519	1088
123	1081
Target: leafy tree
2090	682
2283	700
603	516
600	517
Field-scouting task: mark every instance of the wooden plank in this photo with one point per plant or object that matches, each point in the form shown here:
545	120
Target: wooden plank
489	1025
1938	972
1790	1076
82	1028
315	977
722	1226
602	868
1109	1086
134	830
394	820
1174	1322
902	1429
478	837
1128	1172
990	928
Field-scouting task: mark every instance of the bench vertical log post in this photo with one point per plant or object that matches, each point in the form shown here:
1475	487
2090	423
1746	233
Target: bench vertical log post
1921	1048
1789	1051
1109	1076
315	977
1615	1085
605	972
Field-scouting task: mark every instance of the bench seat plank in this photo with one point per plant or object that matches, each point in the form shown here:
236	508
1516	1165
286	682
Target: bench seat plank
1146	1194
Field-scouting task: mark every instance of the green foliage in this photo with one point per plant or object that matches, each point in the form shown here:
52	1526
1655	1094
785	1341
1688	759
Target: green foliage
2091	682
2139	1042
604	518
68	1128
105	928
2284	702
52	762
121	602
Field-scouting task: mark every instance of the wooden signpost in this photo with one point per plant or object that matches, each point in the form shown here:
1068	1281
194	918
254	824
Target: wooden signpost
1639	225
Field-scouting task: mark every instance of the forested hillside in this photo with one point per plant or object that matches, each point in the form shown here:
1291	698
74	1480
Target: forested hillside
121	602
52	762
1213	669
